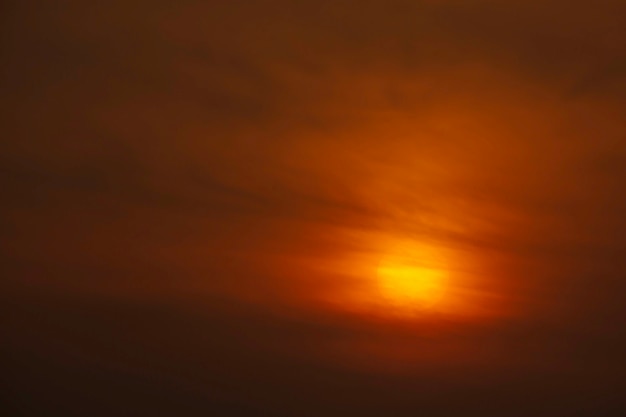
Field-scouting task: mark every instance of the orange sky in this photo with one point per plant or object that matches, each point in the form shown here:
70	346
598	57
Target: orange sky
304	208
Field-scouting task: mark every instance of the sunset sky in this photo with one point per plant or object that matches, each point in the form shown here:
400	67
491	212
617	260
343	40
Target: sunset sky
313	208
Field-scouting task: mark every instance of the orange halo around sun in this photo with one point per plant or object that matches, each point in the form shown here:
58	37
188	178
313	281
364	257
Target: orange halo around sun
411	286
412	278
407	278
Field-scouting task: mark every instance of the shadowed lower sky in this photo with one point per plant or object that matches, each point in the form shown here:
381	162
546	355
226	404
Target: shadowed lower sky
313	208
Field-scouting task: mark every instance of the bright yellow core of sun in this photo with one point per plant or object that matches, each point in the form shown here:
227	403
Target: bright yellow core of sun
412	286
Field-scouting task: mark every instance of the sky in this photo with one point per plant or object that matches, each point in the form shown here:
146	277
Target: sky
313	208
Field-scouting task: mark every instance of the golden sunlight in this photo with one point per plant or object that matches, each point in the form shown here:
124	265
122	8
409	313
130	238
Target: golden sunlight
412	278
411	286
406	278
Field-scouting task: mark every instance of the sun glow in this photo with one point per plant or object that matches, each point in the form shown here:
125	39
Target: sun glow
411	286
403	278
412	279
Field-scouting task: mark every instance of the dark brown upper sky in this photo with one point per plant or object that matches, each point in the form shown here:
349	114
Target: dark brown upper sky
202	201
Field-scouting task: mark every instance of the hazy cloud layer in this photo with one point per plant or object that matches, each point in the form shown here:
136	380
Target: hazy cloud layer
185	181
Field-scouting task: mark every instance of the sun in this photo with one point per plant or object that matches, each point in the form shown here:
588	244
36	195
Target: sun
410	281
408	285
